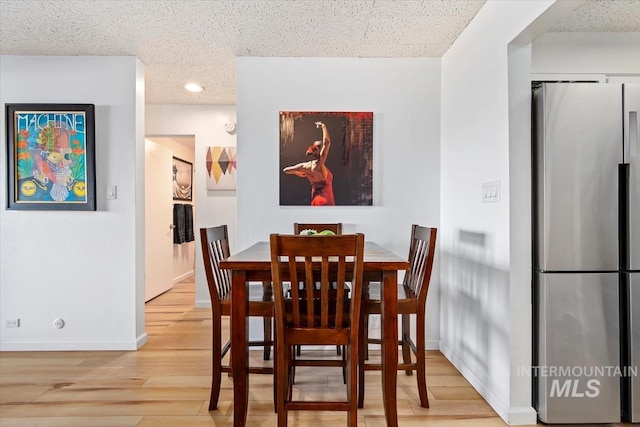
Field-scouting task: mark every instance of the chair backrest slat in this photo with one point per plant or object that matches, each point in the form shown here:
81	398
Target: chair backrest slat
222	276
340	291
295	291
308	285
215	248
324	293
421	253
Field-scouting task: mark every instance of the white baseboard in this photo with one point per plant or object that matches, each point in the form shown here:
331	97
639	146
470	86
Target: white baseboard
522	416
80	345
142	340
512	416
432	344
203	303
181	277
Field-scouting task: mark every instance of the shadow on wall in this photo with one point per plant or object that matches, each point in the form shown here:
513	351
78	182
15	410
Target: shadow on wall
474	298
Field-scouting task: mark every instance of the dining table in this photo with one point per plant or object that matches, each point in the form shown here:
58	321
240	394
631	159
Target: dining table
253	264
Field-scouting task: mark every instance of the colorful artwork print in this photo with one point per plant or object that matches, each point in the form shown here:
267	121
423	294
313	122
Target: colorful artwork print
326	158
182	179
221	168
51	152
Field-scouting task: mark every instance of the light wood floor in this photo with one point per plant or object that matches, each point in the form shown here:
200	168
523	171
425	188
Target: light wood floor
166	384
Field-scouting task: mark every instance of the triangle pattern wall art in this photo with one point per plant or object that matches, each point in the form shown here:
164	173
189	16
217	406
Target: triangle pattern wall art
221	168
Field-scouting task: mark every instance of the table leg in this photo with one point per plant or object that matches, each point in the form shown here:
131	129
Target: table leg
239	353
389	322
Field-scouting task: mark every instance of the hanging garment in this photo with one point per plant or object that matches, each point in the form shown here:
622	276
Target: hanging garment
179	220
189	235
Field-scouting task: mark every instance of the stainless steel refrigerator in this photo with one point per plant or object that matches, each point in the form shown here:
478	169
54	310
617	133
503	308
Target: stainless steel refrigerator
586	166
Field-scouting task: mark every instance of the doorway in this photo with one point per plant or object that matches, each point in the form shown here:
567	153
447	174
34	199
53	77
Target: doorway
166	262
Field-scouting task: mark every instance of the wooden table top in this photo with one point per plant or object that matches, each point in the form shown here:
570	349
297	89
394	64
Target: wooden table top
258	257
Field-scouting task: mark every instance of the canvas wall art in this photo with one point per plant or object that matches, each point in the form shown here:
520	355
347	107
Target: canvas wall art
51	156
221	168
326	158
182	179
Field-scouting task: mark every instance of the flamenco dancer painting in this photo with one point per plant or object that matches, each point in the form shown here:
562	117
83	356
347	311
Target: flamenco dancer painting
316	171
338	175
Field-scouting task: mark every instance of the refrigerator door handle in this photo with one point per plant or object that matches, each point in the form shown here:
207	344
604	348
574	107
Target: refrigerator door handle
623	216
633	133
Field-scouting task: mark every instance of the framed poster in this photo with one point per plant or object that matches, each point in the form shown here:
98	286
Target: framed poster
221	168
326	158
51	157
182	179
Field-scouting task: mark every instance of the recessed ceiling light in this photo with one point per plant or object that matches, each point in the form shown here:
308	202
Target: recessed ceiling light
193	87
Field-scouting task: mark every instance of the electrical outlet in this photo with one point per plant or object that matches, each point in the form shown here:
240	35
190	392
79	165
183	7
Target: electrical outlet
12	323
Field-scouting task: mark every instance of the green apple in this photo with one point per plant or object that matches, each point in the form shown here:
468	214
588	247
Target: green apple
327	233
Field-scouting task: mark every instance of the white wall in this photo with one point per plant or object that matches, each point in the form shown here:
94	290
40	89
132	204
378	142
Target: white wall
485	295
586	53
206	123
404	96
84	267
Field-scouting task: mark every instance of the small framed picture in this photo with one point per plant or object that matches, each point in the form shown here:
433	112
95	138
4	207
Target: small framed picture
51	157
182	179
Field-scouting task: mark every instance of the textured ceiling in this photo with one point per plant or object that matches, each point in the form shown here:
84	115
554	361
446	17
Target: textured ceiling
198	40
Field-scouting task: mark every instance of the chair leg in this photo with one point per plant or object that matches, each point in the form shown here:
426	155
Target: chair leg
365	329
275	378
352	416
216	347
362	343
291	372
352	385
344	367
282	384
267	291
292	355
267	336
421	356
365	326
406	338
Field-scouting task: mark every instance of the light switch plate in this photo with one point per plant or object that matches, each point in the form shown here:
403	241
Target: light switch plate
112	192
491	191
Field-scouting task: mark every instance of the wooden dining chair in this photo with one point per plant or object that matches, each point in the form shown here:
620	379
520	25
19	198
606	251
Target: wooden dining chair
336	227
215	247
412	300
304	319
